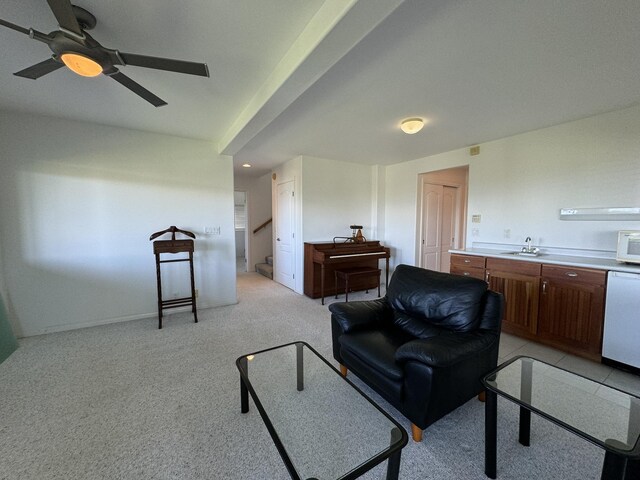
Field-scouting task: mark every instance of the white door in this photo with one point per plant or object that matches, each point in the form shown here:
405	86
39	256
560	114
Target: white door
284	258
431	226
439	217
448	226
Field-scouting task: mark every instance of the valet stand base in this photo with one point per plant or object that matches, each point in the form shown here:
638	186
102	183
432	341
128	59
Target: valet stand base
174	246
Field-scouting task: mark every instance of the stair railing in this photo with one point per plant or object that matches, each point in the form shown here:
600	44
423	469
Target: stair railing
262	226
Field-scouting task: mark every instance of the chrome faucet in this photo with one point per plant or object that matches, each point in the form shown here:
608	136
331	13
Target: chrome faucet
529	249
528	242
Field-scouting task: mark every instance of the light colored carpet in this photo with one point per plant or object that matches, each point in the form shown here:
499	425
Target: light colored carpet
128	401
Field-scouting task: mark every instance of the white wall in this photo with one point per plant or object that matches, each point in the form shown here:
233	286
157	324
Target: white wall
521	182
79	202
335	196
258	211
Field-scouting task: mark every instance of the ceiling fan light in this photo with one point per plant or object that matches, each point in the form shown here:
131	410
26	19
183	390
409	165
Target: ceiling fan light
412	125
81	65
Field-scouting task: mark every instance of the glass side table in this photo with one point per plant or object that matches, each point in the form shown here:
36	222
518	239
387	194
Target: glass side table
605	416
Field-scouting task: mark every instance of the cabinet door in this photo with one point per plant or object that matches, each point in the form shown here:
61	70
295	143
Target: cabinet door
572	308
519	282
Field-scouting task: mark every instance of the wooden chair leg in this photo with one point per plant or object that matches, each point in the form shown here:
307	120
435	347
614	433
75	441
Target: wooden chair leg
482	396
416	433
343	370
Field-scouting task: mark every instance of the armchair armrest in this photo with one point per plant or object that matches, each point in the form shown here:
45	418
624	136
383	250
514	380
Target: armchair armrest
447	349
353	316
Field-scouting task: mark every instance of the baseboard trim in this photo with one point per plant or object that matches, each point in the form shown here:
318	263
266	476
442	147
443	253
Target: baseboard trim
106	321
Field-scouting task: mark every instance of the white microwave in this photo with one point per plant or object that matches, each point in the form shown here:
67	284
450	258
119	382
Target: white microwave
628	246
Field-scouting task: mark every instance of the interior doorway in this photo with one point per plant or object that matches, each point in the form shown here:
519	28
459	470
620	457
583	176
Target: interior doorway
240	222
442	216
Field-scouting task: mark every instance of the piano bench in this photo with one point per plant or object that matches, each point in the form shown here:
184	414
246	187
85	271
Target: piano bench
347	273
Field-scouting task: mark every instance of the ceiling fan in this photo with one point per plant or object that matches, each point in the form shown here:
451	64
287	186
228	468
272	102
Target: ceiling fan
80	52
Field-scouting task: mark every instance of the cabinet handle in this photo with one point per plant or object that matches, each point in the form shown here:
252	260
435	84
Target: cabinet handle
466	274
466	260
486	277
544	287
571	274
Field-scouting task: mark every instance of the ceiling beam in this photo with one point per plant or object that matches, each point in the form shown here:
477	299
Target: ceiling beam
337	27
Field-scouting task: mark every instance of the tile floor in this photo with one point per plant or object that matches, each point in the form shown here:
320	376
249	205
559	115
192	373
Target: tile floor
511	346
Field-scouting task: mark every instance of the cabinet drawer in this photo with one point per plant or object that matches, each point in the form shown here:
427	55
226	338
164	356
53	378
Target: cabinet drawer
513	266
467	261
467	271
579	275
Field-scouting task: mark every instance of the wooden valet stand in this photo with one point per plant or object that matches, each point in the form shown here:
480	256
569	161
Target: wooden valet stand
174	246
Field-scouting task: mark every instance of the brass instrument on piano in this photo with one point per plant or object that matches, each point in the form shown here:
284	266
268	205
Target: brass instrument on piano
322	258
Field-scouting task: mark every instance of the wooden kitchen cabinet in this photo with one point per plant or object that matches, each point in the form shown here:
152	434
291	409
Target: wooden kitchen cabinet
467	265
519	282
572	309
559	306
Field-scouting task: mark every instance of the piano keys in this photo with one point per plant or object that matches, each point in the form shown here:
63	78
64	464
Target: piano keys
322	258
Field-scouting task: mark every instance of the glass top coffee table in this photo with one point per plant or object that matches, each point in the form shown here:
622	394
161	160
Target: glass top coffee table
323	426
603	415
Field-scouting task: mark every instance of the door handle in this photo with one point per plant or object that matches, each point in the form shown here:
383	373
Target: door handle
278	239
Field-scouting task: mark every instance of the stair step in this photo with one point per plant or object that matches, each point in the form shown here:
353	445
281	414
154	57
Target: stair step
265	269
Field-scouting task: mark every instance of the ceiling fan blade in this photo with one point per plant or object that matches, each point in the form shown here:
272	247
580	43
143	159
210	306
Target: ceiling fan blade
64	14
180	66
15	27
40	69
137	88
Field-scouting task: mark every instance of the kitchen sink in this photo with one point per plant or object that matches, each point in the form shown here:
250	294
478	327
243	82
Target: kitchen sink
523	254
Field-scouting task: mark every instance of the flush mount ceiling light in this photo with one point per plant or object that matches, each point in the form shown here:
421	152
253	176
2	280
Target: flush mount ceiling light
246	165
81	65
412	125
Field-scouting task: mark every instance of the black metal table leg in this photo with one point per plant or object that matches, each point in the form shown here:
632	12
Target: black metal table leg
300	367
322	282
613	467
244	392
524	434
393	464
490	433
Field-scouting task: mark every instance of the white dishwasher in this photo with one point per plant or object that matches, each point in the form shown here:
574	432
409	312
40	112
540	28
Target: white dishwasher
621	341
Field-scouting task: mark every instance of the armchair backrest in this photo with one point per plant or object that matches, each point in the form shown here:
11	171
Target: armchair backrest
422	299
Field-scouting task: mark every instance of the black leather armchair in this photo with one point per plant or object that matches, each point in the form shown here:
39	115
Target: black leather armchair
425	346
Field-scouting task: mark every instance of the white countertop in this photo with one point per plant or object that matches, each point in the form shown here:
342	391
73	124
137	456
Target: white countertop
553	259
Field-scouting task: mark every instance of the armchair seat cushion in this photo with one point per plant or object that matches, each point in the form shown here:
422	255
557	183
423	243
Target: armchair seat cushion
381	371
384	343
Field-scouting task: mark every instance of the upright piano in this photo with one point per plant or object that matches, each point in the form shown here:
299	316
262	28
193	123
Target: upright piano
322	258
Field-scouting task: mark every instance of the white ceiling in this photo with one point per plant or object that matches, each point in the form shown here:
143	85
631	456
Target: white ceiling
333	78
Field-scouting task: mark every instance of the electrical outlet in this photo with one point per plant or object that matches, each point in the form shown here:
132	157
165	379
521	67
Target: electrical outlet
477	218
196	293
475	232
